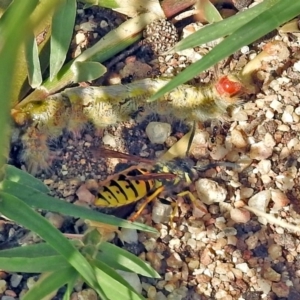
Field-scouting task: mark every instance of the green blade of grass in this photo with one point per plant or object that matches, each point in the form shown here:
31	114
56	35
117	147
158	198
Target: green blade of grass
49	283
16	175
257	27
32	265
33	63
62	29
217	30
17	210
120	259
109	277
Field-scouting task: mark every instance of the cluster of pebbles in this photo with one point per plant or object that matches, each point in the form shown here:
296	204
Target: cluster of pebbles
226	249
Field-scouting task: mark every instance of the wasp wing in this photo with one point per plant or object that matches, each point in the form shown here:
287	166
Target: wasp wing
104	152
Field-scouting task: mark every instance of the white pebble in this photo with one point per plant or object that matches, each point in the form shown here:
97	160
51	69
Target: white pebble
15	280
287	117
209	191
128	235
109	140
260	200
264	166
240	215
296	66
158	132
133	279
243	267
269	114
3	286
260	151
297	110
161	212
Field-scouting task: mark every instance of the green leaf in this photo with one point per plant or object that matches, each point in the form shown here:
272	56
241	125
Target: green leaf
246	34
62	29
33	63
32	265
210	12
41	201
109	278
121	259
87	71
16	175
50	283
17	210
220	29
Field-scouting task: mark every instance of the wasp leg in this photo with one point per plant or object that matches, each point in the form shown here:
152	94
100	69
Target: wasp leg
175	205
192	198
149	198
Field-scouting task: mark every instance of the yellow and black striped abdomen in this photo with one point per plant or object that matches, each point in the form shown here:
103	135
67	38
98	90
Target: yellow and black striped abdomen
122	191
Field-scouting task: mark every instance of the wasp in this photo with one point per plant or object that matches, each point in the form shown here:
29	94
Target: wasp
148	180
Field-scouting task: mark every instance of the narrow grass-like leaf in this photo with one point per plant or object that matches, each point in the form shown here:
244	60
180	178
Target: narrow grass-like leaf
32	265
17	210
62	29
49	283
33	63
209	11
112	43
121	259
42	201
87	70
12	35
16	175
217	30
257	27
29	251
109	278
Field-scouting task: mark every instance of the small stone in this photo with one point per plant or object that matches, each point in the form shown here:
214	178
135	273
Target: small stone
246	192
15	280
280	289
8	298
133	279
243	267
3	286
209	191
270	274
238	139
228	231
79	38
158	132
264	166
193	264
240	215
31	282
87	294
109	140
55	219
151	292
260	151
275	251
155	260
128	235
174	261
85	195
265	285
252	241
260	200
287	114
161	212
279	198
